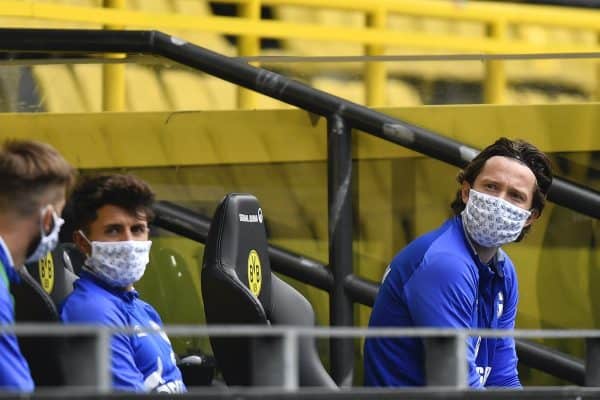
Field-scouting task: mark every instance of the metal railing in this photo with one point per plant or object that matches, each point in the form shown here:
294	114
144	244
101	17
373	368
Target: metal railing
445	353
342	117
375	36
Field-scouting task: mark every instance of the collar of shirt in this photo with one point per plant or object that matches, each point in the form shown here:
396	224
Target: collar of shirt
126	295
496	264
7	260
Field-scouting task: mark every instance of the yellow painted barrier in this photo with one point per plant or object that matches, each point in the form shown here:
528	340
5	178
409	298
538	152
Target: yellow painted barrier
100	140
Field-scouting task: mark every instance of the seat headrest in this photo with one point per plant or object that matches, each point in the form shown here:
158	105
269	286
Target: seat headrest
54	272
237	244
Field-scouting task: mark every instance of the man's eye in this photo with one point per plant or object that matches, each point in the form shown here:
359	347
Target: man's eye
518	197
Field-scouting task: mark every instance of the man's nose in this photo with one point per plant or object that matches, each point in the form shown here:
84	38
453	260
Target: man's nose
127	235
503	195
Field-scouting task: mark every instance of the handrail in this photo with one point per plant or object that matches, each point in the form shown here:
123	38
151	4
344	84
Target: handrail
374	37
341	114
562	192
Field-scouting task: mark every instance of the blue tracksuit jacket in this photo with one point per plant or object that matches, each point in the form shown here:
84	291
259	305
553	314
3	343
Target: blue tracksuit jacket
14	370
141	362
438	281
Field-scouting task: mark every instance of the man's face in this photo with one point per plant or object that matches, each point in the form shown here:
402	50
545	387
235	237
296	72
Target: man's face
508	179
115	224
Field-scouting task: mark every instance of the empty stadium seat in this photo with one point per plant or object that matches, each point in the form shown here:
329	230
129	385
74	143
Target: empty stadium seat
323	17
239	288
196	91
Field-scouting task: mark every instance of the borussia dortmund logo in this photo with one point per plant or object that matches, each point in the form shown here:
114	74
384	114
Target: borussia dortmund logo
254	272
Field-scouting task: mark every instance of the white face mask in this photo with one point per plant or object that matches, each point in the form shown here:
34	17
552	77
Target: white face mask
492	221
119	264
48	241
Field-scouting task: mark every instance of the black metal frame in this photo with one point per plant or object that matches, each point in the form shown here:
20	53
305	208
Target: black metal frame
342	116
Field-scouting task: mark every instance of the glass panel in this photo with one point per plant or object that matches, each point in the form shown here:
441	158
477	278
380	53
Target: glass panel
155	84
397	198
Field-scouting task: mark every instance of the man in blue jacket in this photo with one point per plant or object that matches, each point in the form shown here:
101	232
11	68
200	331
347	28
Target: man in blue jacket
457	276
35	179
110	216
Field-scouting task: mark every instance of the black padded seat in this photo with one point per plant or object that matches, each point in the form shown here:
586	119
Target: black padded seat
44	285
238	287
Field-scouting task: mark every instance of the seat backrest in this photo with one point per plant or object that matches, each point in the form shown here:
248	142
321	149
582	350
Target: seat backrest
239	288
44	284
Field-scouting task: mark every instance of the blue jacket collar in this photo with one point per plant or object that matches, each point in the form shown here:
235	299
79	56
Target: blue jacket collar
126	295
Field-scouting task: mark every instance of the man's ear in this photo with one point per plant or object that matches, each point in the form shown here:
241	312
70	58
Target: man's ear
464	191
47	219
535	214
81	243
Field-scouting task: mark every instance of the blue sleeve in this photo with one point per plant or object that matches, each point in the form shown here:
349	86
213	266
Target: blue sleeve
504	366
125	374
14	370
442	293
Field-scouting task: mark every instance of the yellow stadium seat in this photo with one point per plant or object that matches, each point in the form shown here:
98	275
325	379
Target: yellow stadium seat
398	93
349	90
88	77
196	91
58	89
304	15
144	91
265	102
402	94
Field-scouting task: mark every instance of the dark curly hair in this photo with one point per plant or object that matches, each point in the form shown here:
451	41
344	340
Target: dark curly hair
93	192
519	150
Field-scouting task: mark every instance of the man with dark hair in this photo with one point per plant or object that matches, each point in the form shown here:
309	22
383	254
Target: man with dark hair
109	215
457	276
35	179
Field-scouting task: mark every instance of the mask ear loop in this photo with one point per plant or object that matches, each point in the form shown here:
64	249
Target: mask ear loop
84	237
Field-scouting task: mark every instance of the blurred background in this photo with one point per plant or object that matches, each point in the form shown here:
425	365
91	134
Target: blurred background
469	70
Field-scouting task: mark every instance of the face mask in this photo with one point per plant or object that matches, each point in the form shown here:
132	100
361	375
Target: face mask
492	221
47	242
119	264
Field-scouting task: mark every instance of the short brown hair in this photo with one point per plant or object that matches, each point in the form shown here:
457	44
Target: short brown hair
28	169
519	150
95	191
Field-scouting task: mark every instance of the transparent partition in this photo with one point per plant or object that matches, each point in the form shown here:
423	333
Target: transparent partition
154	84
398	195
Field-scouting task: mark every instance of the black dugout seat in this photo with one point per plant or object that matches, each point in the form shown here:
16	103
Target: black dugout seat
44	285
239	288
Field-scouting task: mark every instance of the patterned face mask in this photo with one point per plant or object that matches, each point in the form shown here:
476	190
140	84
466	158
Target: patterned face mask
492	221
48	241
119	264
